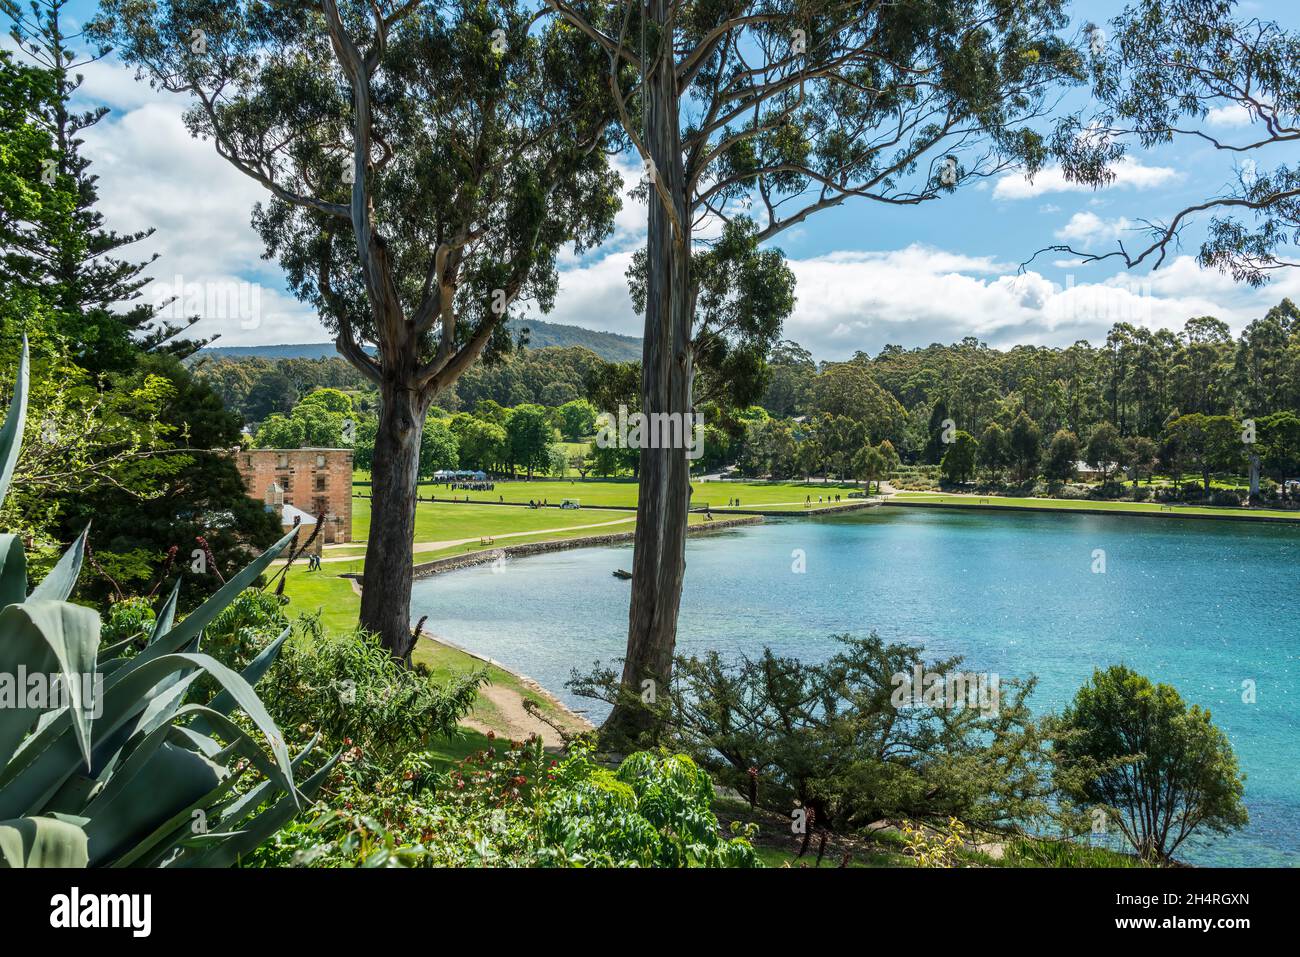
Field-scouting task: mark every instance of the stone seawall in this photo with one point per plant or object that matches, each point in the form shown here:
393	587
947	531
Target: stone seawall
440	565
856	505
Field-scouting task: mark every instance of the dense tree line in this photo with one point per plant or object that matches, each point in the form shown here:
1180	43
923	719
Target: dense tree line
1198	400
1138	380
492	438
257	387
1142	400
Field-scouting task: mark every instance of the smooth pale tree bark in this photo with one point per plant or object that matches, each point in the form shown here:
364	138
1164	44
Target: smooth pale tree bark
786	110
664	487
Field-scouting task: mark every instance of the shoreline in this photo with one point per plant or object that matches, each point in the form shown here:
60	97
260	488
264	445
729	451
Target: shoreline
481	556
529	682
1175	512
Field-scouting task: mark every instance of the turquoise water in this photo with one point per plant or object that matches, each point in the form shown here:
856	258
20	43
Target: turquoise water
1201	605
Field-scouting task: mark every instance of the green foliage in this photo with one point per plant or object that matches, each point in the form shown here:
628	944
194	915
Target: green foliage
1061	457
255	387
482	444
995	449
959	461
1159	770
121	761
119	430
129	620
349	689
516	806
1105	448
656	810
1203	443
310	425
530	437
848	389
576	420
831	738
439	448
71	259
1023	442
871	464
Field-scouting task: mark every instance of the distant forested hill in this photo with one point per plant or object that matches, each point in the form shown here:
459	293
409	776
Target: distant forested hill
608	345
299	350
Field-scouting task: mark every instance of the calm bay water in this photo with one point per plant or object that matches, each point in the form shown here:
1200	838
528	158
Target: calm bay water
1201	605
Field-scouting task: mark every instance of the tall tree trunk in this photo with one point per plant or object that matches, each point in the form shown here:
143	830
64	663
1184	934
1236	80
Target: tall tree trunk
385	609
663	503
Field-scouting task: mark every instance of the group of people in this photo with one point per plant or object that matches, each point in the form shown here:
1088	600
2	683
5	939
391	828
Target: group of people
471	486
808	499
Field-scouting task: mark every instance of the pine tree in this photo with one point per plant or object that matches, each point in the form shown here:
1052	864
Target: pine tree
75	261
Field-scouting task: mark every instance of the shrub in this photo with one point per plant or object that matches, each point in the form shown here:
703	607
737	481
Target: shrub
351	690
1073	492
518	807
1110	490
933	847
830	738
129	620
1161	771
245	627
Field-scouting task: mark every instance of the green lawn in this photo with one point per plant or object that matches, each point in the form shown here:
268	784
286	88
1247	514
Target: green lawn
622	522
444	521
623	493
977	501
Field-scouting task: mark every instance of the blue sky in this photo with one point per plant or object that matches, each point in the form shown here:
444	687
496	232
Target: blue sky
868	274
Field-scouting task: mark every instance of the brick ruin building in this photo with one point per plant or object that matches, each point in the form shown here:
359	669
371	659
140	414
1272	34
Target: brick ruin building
304	483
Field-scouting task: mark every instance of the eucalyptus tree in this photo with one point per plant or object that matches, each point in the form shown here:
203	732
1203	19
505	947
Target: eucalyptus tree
1170	72
424	164
756	114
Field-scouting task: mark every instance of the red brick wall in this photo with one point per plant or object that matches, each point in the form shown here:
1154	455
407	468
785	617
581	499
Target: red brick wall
314	480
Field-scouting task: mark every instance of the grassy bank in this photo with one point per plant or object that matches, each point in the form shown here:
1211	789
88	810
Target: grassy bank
338	604
1089	505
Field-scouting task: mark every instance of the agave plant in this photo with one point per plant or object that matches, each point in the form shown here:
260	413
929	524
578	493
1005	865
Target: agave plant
124	769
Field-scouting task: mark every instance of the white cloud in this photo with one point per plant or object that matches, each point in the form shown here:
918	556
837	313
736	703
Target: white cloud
1230	115
153	174
915	296
1130	173
594	295
849	300
1089	228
